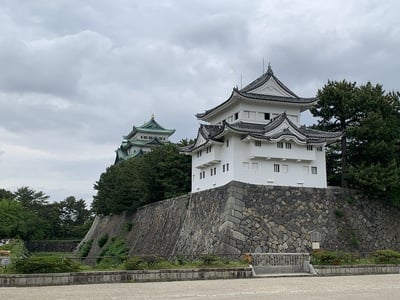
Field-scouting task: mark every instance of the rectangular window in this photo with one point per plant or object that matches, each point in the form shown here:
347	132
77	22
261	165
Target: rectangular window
204	174
314	170
319	148
211	172
223	168
201	175
227	143
285	168
250	115
279	145
227	167
257	143
288	145
276	168
236	116
309	147
267	116
215	171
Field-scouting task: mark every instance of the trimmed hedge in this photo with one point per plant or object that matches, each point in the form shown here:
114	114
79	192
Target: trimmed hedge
45	264
386	257
323	257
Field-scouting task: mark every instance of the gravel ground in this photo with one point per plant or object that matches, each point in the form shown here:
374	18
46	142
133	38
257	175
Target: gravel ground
385	287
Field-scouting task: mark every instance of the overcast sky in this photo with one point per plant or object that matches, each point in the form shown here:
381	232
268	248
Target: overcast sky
76	75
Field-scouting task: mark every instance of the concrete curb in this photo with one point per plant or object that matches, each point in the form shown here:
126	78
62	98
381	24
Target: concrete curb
21	280
356	270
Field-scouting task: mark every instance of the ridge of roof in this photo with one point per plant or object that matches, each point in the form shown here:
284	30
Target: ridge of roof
260	131
297	100
263	79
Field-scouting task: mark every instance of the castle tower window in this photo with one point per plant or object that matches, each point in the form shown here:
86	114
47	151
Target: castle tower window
288	145
276	168
267	116
279	145
309	147
319	148
236	116
257	143
314	170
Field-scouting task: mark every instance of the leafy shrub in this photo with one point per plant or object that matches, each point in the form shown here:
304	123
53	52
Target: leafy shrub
181	260
85	248
116	250
355	241
322	257
386	257
128	227
134	263
45	264
339	213
151	260
208	259
102	240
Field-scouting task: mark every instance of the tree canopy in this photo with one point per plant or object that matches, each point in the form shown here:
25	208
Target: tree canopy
27	214
369	155
160	174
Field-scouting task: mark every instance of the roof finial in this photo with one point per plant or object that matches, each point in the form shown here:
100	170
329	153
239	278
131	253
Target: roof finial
263	66
152	116
269	71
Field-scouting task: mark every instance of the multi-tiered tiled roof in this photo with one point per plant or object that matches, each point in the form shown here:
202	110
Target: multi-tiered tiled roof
253	92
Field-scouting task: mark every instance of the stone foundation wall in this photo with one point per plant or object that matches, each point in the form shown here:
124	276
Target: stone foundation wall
239	217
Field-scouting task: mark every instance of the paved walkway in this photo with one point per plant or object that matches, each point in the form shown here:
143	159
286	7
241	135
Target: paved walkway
385	287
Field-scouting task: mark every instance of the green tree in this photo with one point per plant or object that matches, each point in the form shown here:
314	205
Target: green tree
170	172
73	217
159	174
370	120
337	111
122	187
17	221
4	194
374	141
30	198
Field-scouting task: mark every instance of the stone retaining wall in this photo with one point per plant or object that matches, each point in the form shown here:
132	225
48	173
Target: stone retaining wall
20	280
243	218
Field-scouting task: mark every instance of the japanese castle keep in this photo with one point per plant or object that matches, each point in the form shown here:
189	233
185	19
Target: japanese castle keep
142	139
265	165
255	137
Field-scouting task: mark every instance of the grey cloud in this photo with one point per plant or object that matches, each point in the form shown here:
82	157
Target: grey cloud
76	75
48	66
220	31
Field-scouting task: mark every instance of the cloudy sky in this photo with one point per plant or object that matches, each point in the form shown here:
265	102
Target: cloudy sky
76	75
